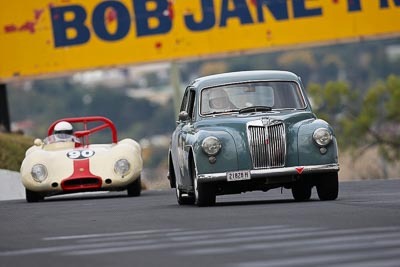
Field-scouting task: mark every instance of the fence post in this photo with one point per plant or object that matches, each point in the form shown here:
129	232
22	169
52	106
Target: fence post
4	115
176	86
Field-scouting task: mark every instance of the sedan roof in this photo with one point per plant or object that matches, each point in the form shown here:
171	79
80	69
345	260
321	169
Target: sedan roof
242	76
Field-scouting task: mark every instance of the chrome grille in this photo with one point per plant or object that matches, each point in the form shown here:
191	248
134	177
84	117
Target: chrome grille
267	144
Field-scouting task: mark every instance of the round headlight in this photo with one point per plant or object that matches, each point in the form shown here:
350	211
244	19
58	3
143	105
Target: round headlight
322	136
39	173
122	166
211	145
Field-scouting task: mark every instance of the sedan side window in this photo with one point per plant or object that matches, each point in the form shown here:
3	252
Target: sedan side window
185	100
190	107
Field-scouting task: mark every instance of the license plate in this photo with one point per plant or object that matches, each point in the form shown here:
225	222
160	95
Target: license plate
238	176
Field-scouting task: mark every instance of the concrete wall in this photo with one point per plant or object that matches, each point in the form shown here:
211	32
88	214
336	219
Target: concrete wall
11	186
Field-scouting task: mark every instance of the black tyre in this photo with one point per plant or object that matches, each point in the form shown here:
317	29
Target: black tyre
171	173
204	194
328	186
183	200
301	190
135	188
33	196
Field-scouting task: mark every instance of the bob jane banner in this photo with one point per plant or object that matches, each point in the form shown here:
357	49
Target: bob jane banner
41	37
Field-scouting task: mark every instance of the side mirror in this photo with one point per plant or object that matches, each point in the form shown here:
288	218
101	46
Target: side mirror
183	116
38	142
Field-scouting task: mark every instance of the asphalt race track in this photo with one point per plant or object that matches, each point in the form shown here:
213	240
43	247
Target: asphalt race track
361	228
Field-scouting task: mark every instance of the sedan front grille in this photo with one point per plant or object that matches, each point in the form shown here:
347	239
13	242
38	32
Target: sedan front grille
267	144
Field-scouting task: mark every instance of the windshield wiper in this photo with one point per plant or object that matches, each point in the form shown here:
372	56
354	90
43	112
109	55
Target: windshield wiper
255	109
222	111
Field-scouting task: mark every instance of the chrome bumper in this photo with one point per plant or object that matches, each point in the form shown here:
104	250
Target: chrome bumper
274	172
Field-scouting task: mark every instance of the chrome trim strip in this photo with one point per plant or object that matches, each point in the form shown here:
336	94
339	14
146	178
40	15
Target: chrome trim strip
276	172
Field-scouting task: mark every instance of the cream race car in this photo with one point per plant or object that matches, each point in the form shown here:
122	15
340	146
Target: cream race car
67	163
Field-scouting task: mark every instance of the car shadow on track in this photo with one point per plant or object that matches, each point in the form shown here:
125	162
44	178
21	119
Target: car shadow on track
259	202
85	196
227	203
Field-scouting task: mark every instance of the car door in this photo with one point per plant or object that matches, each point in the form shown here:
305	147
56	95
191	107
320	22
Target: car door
185	128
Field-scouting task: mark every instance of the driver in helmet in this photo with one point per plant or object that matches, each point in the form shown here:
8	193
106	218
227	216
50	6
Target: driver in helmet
64	132
63	127
219	100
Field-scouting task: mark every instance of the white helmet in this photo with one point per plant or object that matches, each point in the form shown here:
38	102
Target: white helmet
218	99
63	127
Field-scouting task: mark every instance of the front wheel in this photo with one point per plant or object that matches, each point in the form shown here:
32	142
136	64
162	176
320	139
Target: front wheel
328	186
135	188
183	200
204	194
33	196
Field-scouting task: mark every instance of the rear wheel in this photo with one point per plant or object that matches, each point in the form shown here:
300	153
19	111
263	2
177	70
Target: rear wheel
33	196
328	186
135	188
301	190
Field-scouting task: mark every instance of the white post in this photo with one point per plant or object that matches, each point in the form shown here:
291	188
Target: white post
176	84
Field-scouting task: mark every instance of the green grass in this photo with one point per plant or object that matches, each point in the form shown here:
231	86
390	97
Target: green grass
12	150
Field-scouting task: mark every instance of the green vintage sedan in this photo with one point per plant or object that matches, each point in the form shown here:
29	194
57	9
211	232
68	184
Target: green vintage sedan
250	130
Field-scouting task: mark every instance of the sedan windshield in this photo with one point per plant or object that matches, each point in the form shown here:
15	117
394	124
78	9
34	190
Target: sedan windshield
236	97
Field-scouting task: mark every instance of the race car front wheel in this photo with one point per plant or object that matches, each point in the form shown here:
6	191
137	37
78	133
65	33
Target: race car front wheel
33	196
135	188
